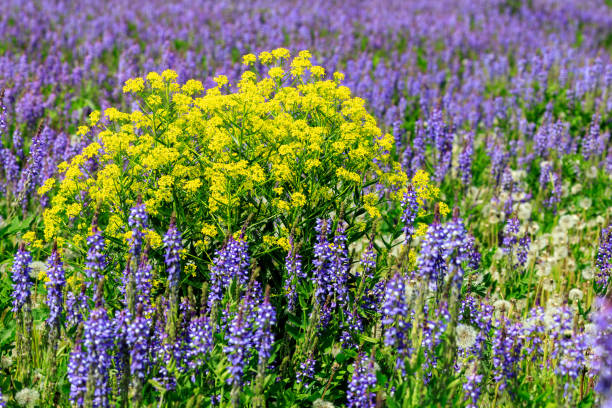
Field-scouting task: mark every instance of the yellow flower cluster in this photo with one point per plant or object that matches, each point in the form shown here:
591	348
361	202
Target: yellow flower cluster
258	147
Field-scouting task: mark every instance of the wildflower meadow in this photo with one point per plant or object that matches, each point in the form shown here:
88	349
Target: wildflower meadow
277	203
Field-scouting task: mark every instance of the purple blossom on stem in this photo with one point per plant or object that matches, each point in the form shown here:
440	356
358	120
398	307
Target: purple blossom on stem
410	207
96	260
99	339
472	389
236	350
137	221
201	341
264	336
603	261
55	288
77	374
231	262
306	372
137	340
173	245
601	362
293	265
360	392
21	278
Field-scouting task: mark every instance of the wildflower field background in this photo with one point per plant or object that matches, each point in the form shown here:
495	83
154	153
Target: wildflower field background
306	204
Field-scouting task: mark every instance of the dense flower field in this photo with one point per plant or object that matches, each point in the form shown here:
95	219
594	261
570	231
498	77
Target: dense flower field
314	204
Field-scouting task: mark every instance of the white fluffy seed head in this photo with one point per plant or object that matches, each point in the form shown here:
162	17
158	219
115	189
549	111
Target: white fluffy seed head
465	336
27	397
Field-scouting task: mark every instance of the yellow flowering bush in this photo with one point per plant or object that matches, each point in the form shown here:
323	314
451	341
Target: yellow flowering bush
280	148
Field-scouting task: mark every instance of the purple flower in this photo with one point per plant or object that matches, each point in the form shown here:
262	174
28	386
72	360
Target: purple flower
77	374
306	372
264	336
96	260
465	160
173	245
410	207
603	261
55	288
137	335
21	278
231	262
396	317
331	265
602	349
293	265
98	338
472	389
137	221
201	341
360	392
237	349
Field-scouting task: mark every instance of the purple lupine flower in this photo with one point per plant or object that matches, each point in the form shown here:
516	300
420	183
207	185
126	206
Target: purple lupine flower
137	334
465	160
76	307
293	265
396	317
21	278
331	270
360	393
506	349
96	260
201	341
306	372
603	261
137	221
99	339
522	251
173	245
264	337
443	251
433	329
55	288
231	262
77	374
410	207
143	277
601	362
236	350
510	232
589	142
472	389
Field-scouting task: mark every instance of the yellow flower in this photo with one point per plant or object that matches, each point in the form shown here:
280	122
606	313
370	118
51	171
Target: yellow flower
221	80
46	187
281	53
154	239
338	77
444	210
94	117
421	230
249	59
192	185
317	71
298	199
192	86
276	72
265	57
133	85
29	236
82	131
209	230
269	240
169	75
283	242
